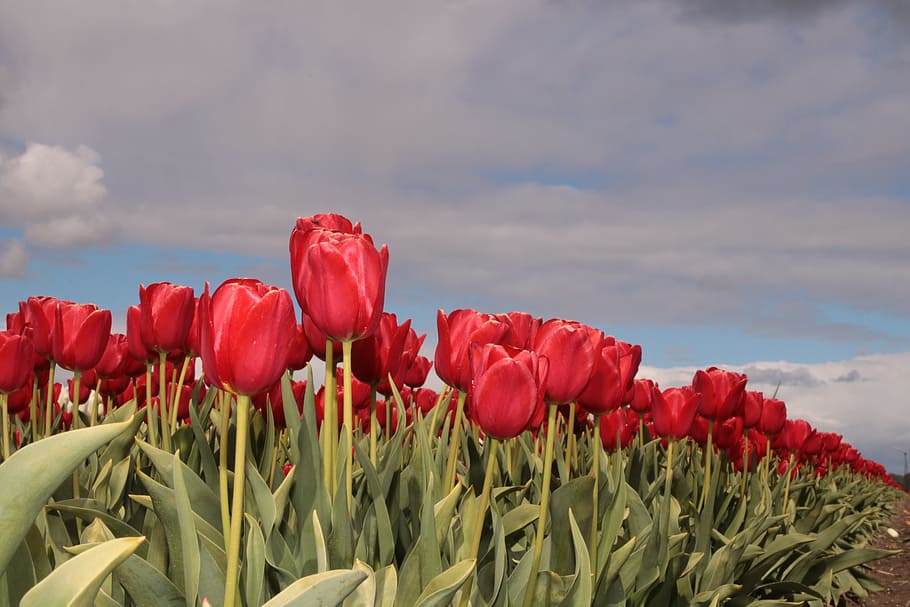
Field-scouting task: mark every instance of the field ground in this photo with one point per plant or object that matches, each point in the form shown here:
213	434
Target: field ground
893	572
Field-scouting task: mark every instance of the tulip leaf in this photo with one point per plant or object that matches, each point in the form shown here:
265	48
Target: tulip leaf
440	590
581	592
36	471
76	582
254	563
328	588
386	586
88	510
365	593
574	495
146	586
189	542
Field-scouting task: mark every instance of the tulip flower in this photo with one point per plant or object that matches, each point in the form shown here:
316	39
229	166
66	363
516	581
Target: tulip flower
17	354
605	390
752	405
341	280
508	388
274	399
722	391
773	416
674	411
301	353
166	314
619	422
307	231
246	335
568	346
457	331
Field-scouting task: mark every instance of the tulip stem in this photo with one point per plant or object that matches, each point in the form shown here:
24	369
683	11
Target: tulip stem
544	506
4	404
150	417
162	401
374	424
224	407
348	422
49	400
33	422
709	455
481	515
746	462
330	419
93	417
595	472
77	378
231	580
568	455
176	389
454	443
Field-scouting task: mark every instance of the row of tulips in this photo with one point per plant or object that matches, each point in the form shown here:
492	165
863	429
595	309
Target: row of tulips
419	497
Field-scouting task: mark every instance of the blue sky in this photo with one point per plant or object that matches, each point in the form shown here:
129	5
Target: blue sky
723	182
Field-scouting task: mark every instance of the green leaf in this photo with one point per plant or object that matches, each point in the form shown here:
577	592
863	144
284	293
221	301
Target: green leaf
519	517
329	588
254	563
188	540
581	592
441	589
147	586
36	471
76	582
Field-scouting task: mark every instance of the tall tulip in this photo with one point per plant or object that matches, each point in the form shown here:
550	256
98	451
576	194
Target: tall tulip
166	315
17	354
572	354
508	388
674	410
246	335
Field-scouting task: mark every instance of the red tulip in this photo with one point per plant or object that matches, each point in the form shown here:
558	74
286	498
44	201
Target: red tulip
41	312
457	332
643	396
674	410
340	280
629	361
623	422
425	399
17	322
752	404
17	357
115	358
522	329
728	432
18	401
135	343
569	348
247	331
307	231
80	335
606	389
301	353
166	314
773	416
722	391
507	389
377	355
317	339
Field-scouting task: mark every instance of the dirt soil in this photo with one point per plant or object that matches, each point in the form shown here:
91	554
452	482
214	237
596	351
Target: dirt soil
893	572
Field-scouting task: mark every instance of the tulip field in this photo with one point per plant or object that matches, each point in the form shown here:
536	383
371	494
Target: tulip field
544	472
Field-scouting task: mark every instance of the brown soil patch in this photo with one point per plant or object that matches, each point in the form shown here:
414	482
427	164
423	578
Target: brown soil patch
893	572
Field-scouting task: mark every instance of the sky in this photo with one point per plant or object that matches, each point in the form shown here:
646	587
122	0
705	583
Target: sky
725	182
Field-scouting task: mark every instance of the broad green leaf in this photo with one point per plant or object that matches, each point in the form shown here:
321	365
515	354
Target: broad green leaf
516	519
36	471
147	586
254	563
76	582
581	592
440	590
188	539
329	588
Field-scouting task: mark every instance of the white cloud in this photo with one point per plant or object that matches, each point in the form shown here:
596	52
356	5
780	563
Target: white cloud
13	259
864	398
55	195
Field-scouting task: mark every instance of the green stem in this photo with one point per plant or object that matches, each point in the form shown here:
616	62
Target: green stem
33	413
348	423
709	455
388	412
454	444
746	463
789	474
77	379
4	400
176	389
224	407
481	515
544	507
374	424
595	472
93	417
49	400
568	455
162	401
232	577
151	419
330	419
